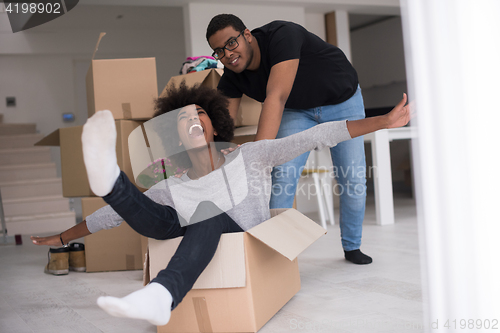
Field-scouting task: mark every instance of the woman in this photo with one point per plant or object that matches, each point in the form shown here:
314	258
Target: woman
226	193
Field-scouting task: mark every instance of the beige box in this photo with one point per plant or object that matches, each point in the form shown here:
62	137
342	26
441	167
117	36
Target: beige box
251	277
249	111
126	87
116	249
244	134
74	175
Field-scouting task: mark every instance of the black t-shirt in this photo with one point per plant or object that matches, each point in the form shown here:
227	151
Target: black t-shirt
324	76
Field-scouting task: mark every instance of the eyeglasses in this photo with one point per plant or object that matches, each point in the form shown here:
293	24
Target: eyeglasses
230	45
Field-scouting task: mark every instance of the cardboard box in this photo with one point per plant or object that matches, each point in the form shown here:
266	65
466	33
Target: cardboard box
244	134
249	111
126	87
74	175
251	277
116	249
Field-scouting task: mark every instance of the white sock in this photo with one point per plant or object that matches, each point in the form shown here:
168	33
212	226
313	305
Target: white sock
99	152
152	303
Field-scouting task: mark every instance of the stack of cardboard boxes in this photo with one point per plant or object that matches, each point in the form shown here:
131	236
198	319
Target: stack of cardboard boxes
126	87
253	273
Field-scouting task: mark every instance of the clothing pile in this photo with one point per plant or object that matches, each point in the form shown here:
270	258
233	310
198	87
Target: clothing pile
197	64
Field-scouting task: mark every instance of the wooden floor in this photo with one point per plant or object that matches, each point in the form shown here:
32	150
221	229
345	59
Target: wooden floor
336	296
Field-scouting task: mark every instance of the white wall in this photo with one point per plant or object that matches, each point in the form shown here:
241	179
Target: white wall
43	87
44	67
378	56
315	23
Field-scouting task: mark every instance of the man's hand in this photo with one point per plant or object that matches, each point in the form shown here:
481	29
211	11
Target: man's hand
229	150
400	115
179	175
49	240
233	107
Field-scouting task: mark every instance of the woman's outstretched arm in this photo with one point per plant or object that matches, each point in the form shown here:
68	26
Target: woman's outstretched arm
399	116
329	134
75	232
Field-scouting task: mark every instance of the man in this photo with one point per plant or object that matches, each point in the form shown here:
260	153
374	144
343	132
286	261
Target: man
301	81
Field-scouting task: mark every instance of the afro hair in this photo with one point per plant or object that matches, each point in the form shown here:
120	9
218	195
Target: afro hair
212	101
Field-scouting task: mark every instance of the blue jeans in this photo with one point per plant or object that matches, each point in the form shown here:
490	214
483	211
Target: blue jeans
348	159
157	221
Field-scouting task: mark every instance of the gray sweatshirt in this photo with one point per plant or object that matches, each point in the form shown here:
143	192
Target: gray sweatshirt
241	186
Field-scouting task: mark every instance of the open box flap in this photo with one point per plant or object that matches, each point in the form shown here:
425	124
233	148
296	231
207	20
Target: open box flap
53	139
97	45
191	79
288	233
245	130
213	75
226	270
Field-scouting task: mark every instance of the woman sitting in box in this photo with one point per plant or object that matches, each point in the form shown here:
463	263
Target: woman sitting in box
226	193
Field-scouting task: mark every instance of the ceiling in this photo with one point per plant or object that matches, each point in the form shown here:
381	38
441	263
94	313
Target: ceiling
108	18
108	15
359	21
377	7
161	14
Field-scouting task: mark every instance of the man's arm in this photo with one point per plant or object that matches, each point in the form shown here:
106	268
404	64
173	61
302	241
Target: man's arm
278	89
234	105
